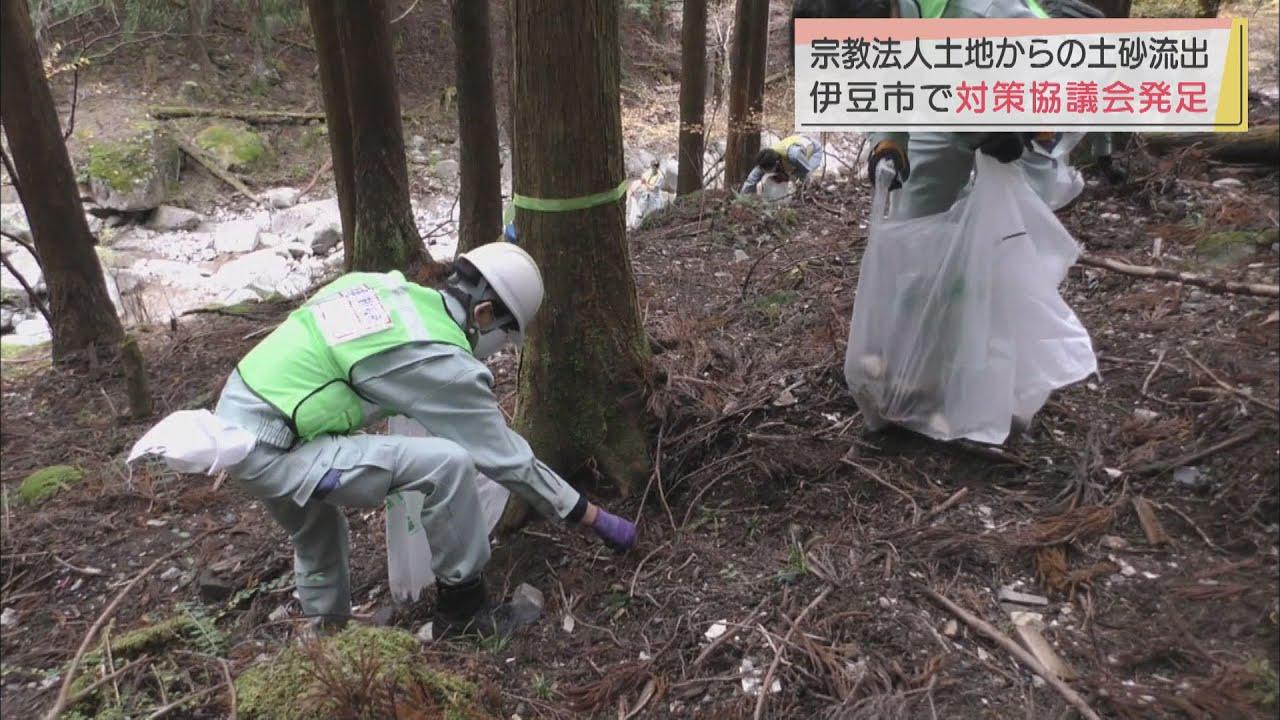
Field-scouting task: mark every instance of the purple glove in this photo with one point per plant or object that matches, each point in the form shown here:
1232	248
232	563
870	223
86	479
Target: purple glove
618	533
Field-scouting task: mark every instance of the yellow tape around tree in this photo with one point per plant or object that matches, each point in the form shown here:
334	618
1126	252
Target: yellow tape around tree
567	204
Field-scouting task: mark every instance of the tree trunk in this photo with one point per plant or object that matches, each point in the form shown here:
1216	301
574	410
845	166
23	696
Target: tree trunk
333	87
480	194
83	317
385	235
658	17
693	94
584	362
746	88
1259	146
197	23
258	38
1113	8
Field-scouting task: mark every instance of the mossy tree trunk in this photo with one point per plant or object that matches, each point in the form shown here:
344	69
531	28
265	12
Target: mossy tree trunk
693	95
746	88
84	319
385	236
197	25
480	194
583	365
333	88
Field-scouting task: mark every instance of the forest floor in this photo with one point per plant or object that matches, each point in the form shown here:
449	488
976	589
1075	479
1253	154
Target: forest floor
771	516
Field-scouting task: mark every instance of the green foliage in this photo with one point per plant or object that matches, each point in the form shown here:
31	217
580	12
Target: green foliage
1266	683
44	484
352	674
1231	246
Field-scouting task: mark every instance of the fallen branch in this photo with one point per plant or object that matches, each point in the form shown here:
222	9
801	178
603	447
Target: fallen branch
777	657
162	711
1229	387
946	504
1208	283
1258	146
1240	438
31	293
61	703
211	165
253	117
1013	648
316	178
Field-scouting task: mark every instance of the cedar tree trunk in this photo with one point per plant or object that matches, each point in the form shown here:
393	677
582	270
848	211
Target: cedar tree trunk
333	87
480	194
746	89
83	317
693	94
583	365
386	237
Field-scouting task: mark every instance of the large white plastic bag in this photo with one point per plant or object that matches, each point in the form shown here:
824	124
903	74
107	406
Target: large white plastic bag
195	441
408	554
957	324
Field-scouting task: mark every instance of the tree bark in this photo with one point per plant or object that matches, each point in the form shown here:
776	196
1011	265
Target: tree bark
84	319
480	194
746	88
197	23
386	237
333	88
584	362
693	95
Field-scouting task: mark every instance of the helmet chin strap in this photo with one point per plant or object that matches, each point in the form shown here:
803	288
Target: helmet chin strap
469	294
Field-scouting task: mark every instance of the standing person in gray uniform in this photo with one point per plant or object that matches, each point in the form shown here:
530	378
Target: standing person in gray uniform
370	345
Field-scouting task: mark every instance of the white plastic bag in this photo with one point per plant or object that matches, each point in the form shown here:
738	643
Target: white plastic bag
195	441
408	554
1051	174
958	325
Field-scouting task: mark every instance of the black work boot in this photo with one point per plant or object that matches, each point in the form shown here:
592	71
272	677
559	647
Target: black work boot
464	610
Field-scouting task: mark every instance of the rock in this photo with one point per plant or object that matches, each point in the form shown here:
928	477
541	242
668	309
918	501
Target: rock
951	629
1228	182
446	170
418	144
13	219
133	174
526	605
212	587
335	261
322	237
193	92
168	218
1144	415
282	197
298	250
294	220
424	634
11	291
261	271
1190	478
1112	542
6	319
382	616
33	327
295	284
240	297
233	146
236	237
740	255
8	617
638	162
43	484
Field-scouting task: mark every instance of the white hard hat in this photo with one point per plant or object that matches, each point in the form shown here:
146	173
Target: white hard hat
514	277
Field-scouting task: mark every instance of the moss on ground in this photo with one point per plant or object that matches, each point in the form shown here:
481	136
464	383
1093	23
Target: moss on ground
1231	246
44	484
363	669
232	146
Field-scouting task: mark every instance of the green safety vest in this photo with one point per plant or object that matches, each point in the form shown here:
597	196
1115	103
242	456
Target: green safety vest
785	144
937	8
303	368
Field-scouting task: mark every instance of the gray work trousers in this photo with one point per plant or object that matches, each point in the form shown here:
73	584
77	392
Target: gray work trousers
360	471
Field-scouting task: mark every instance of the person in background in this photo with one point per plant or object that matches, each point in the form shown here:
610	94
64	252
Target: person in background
794	157
369	345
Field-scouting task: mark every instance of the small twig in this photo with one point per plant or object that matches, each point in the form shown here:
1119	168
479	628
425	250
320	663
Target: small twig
1208	283
750	271
75	100
636	575
710	650
92	687
1185	518
13	178
982	626
915	509
90	571
946	504
35	299
1240	438
1154	369
164	710
777	657
1228	386
231	689
405	14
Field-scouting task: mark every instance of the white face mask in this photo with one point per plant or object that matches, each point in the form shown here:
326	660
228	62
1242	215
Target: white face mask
494	340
